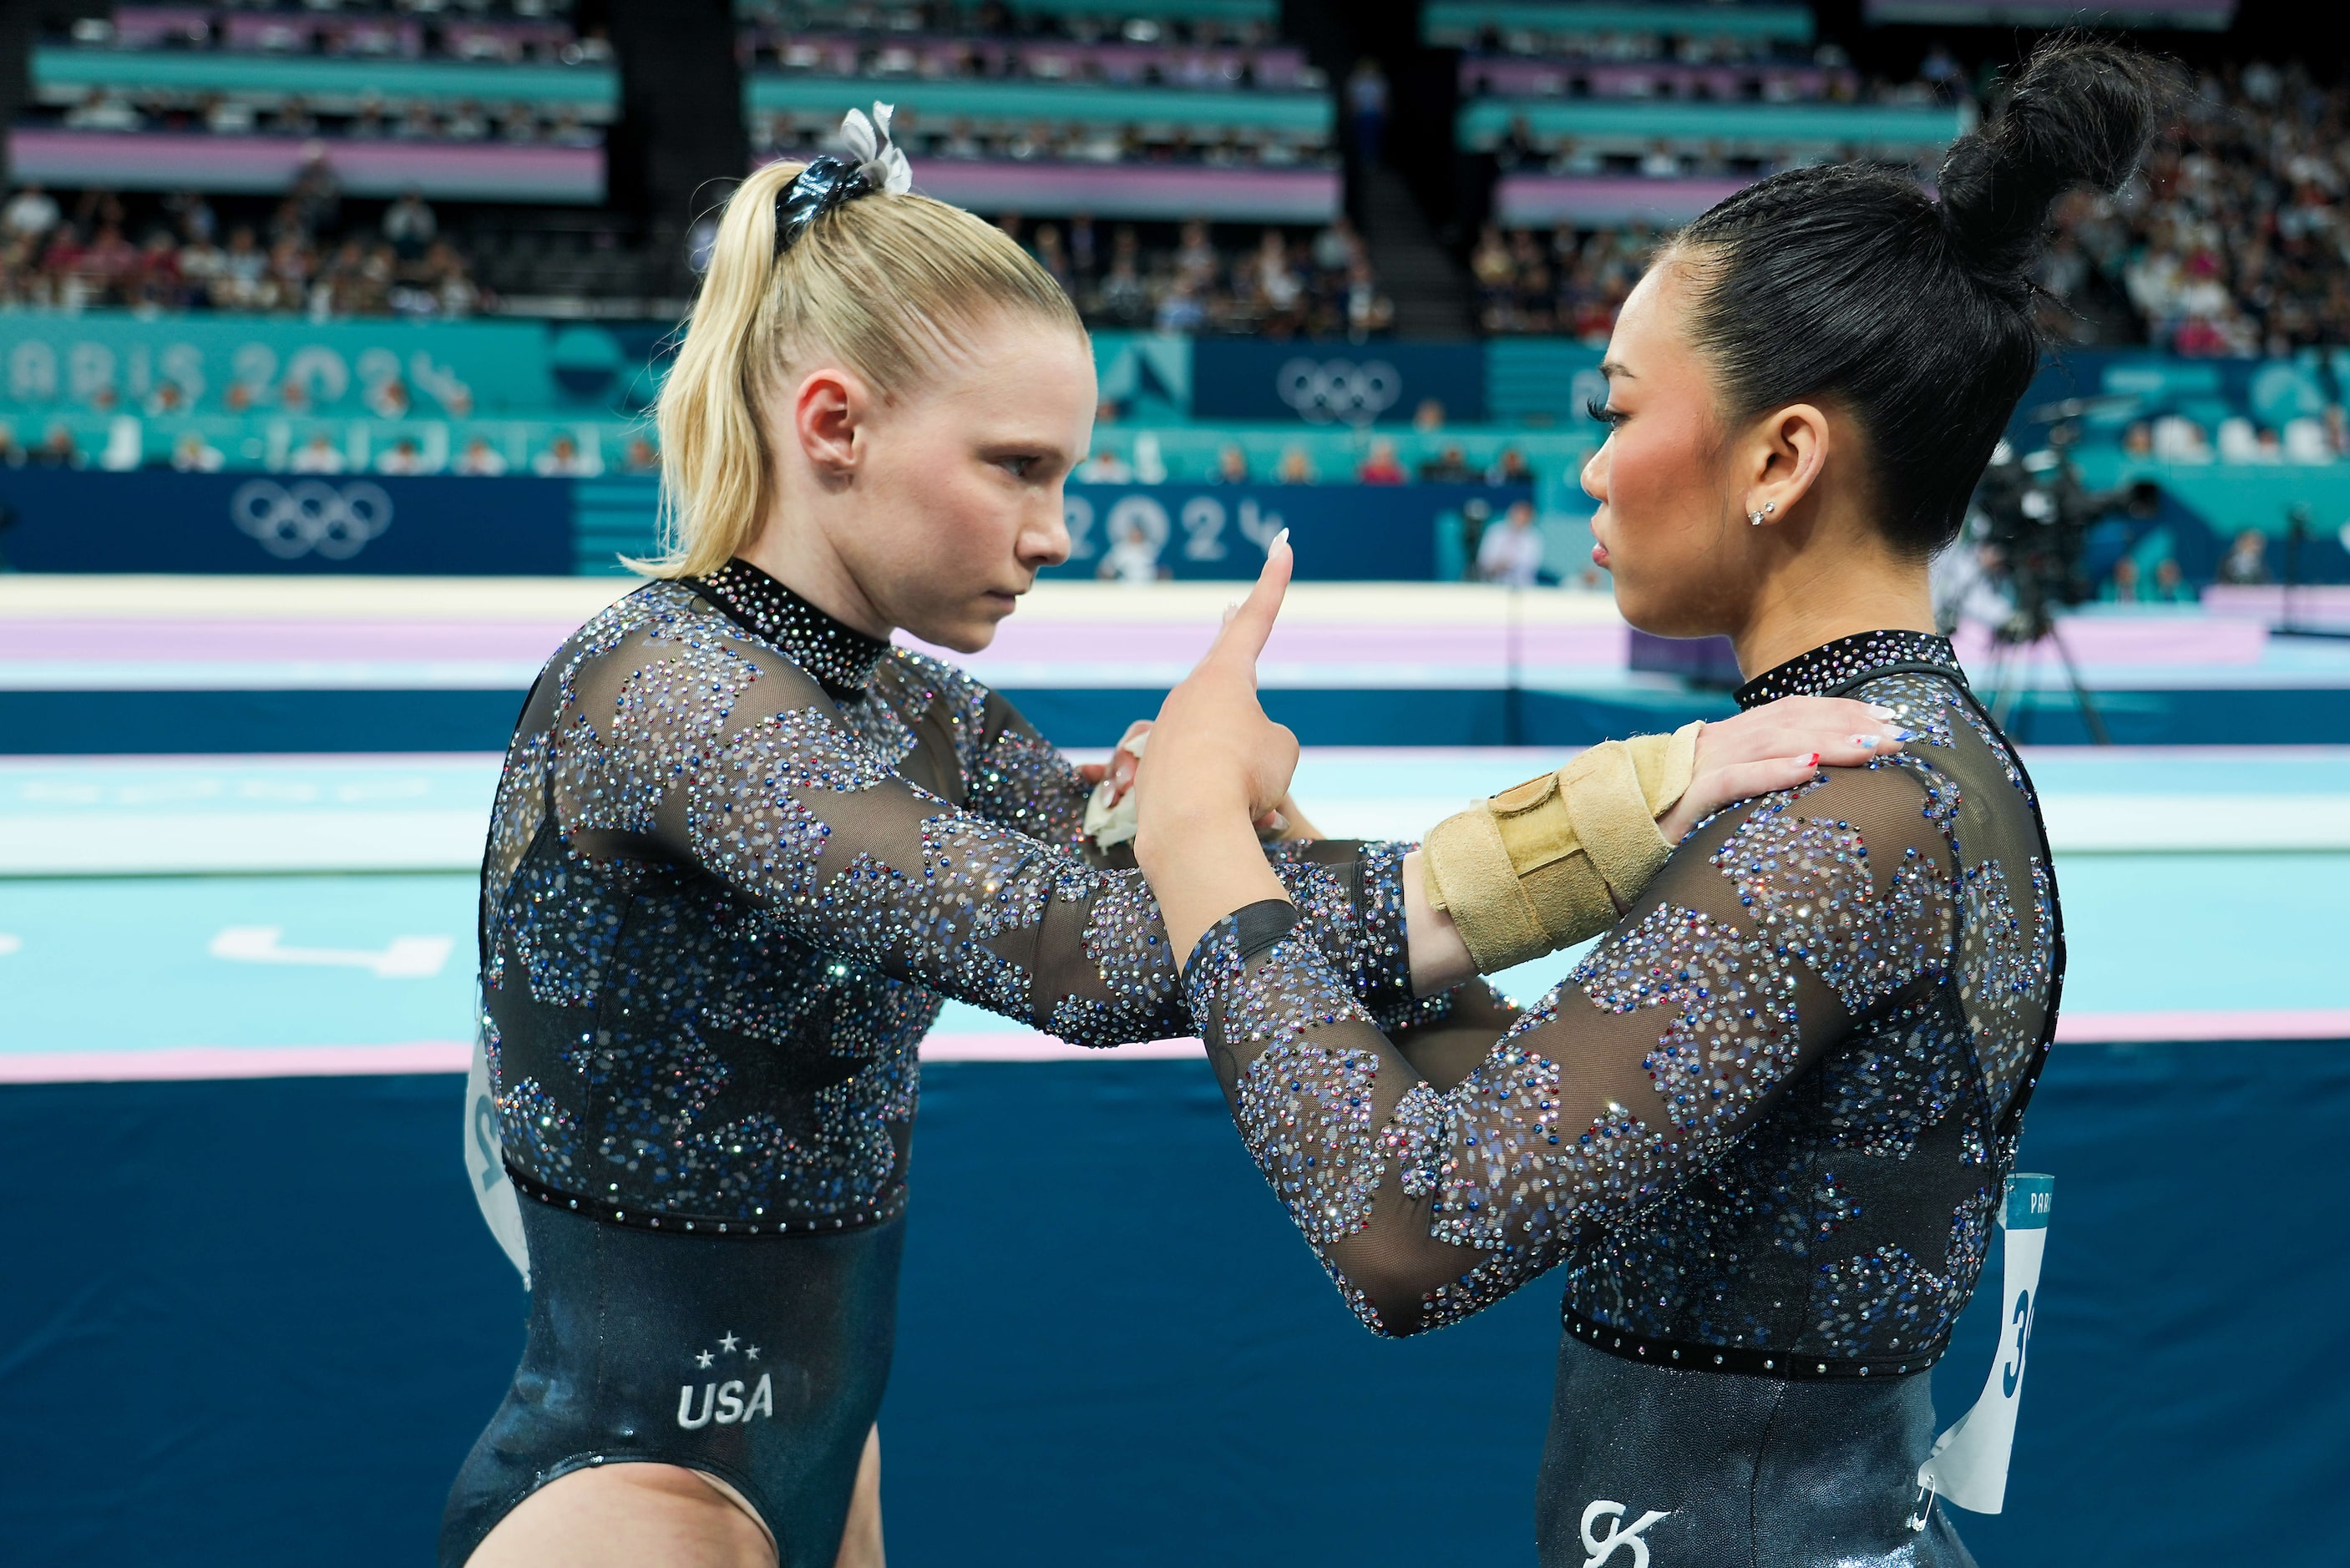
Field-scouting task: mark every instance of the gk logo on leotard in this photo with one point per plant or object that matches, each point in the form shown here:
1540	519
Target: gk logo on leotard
724	1402
1603	1548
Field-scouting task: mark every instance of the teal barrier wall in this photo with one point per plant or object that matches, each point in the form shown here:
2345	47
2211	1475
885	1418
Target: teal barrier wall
252	391
1484	124
586	88
1459	21
63	362
937	101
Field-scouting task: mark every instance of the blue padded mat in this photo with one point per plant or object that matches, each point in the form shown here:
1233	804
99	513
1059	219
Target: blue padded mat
264	1324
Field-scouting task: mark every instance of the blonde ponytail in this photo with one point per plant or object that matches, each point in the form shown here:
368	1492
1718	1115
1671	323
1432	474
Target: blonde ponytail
884	284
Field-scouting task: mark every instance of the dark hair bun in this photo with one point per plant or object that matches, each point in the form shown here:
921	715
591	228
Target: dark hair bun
2081	114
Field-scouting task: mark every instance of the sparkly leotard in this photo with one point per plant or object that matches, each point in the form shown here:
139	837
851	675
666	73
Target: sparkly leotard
740	853
1765	1125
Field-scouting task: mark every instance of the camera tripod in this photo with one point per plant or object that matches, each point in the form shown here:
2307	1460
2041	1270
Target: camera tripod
2014	650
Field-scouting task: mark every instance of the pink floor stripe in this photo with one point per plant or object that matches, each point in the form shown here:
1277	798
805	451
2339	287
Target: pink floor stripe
235	1062
1004	1045
2269	1024
1020	1045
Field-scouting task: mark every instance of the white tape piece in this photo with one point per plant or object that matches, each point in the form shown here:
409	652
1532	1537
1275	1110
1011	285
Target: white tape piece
1968	1466
1110	825
485	1165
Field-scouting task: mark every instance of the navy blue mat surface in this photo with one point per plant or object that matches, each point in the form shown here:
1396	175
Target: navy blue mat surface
266	1323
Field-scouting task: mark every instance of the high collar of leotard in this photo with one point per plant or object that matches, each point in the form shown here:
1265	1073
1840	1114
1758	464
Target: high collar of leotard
841	657
1835	668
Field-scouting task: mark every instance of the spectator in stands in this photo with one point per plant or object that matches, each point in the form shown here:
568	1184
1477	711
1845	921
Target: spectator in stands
1295	467
155	280
191	453
466	122
1052	258
1510	467
1381	466
12	455
480	460
1336	246
1512	555
318	193
402	458
2247	561
1124	300
109	262
564	460
641	456
1106	467
410	226
1368	312
1231	464
316	455
290	267
2170	585
30	215
191	216
2178	439
452	286
1429	417
1132	557
244	277
1367	110
1195	257
57	450
201	263
1449	466
1182	311
2121	583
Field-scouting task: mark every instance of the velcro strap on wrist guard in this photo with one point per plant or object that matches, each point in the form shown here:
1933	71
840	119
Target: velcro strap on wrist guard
1558	858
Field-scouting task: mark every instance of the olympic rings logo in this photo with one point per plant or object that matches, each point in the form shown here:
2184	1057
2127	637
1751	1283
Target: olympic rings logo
292	521
1327	389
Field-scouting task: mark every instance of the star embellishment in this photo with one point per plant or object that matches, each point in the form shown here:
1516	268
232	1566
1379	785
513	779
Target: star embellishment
704	1360
753	1353
729	1343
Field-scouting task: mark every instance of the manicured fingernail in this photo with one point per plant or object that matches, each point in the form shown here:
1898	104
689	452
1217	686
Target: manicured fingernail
1278	823
1901	734
1813	761
1879	710
1280	538
1869	742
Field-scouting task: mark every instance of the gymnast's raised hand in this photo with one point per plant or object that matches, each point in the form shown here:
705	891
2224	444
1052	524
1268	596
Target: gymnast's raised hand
1217	772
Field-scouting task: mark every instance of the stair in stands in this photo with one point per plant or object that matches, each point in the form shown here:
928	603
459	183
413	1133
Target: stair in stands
1430	294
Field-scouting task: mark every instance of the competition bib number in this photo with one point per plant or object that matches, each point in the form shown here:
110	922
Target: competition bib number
1969	1464
485	1164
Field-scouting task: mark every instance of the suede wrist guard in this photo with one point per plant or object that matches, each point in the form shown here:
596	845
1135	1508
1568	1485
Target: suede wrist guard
1558	858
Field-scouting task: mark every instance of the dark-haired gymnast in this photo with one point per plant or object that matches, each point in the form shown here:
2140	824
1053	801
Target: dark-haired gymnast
1767	1124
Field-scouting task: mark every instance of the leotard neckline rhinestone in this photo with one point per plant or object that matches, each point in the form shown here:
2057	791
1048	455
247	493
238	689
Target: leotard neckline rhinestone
1835	666
840	658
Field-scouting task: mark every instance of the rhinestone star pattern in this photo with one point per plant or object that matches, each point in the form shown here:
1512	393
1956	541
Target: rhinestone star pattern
1763	1123
740	855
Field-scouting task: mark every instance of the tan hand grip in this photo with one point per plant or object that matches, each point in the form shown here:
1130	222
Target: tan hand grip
1558	858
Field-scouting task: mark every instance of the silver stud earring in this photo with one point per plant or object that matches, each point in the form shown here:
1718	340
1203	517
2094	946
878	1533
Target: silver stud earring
1755	517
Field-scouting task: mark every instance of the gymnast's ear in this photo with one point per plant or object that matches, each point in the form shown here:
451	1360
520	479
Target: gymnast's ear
1777	462
831	412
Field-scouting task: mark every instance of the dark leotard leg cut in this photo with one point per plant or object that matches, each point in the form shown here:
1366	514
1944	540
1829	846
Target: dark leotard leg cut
759	1360
1748	1471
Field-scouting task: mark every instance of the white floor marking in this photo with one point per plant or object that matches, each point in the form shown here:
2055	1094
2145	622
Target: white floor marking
404	958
